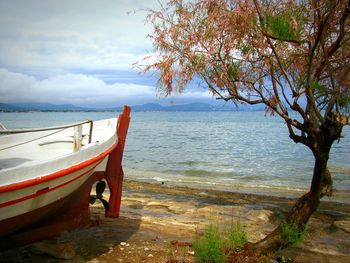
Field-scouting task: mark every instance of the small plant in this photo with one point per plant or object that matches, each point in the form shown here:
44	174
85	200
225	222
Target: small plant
209	247
236	236
291	234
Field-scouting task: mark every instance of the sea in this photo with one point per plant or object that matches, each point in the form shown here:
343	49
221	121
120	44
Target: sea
246	151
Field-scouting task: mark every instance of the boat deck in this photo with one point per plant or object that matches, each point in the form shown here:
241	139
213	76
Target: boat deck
35	147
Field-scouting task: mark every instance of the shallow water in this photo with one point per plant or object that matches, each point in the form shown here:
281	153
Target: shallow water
233	151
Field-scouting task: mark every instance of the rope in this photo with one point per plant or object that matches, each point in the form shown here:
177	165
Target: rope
22	143
45	129
63	127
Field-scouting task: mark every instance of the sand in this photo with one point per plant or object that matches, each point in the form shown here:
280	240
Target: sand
158	223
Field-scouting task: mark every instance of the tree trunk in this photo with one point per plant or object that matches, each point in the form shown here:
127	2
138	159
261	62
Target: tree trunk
302	210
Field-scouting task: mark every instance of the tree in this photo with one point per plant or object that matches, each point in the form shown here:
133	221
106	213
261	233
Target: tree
293	56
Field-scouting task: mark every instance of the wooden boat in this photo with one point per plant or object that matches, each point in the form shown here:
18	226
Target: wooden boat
46	176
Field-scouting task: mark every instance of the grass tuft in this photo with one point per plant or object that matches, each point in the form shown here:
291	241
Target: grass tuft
209	247
291	234
216	244
236	236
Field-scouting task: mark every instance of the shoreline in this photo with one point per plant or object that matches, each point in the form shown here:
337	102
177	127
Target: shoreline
282	202
156	218
240	187
229	194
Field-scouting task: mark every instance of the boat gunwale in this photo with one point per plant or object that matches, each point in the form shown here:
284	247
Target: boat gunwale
97	151
49	189
57	174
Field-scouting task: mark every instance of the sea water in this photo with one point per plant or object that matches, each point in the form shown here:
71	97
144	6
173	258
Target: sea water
232	151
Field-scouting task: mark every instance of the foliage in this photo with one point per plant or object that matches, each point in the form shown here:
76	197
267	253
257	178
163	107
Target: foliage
209	247
236	236
285	26
218	242
291	56
291	233
253	52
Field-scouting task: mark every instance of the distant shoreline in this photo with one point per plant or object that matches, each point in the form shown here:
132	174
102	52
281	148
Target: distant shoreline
148	107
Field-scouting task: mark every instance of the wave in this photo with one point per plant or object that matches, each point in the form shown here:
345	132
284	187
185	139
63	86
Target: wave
202	173
248	184
204	177
194	163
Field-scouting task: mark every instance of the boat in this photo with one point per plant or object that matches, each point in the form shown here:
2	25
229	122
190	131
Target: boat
47	174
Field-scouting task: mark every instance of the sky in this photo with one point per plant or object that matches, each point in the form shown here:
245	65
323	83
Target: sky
79	52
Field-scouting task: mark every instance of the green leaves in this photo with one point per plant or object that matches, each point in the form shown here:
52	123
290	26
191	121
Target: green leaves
344	102
291	233
219	240
236	236
209	247
284	26
319	89
245	49
233	71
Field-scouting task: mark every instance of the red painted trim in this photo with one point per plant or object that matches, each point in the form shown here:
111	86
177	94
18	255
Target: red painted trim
47	189
55	175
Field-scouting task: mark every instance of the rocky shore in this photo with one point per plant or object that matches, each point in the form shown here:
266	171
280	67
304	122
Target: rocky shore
158	223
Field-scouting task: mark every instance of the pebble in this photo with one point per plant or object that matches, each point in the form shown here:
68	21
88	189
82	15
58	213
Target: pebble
190	253
150	256
262	236
124	244
146	248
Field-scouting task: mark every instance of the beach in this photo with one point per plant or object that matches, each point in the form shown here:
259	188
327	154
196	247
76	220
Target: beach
158	223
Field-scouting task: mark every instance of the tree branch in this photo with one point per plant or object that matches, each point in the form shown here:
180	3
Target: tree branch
276	93
297	138
267	35
273	49
244	99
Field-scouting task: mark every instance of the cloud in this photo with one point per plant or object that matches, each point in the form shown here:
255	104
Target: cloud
66	34
80	89
77	52
69	88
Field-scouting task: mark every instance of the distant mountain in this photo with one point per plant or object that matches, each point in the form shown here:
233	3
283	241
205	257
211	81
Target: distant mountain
196	106
10	108
136	108
148	107
47	107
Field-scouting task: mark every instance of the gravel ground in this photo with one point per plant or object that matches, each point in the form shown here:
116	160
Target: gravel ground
158	223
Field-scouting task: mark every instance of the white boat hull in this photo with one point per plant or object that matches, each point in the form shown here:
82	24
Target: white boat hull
33	191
